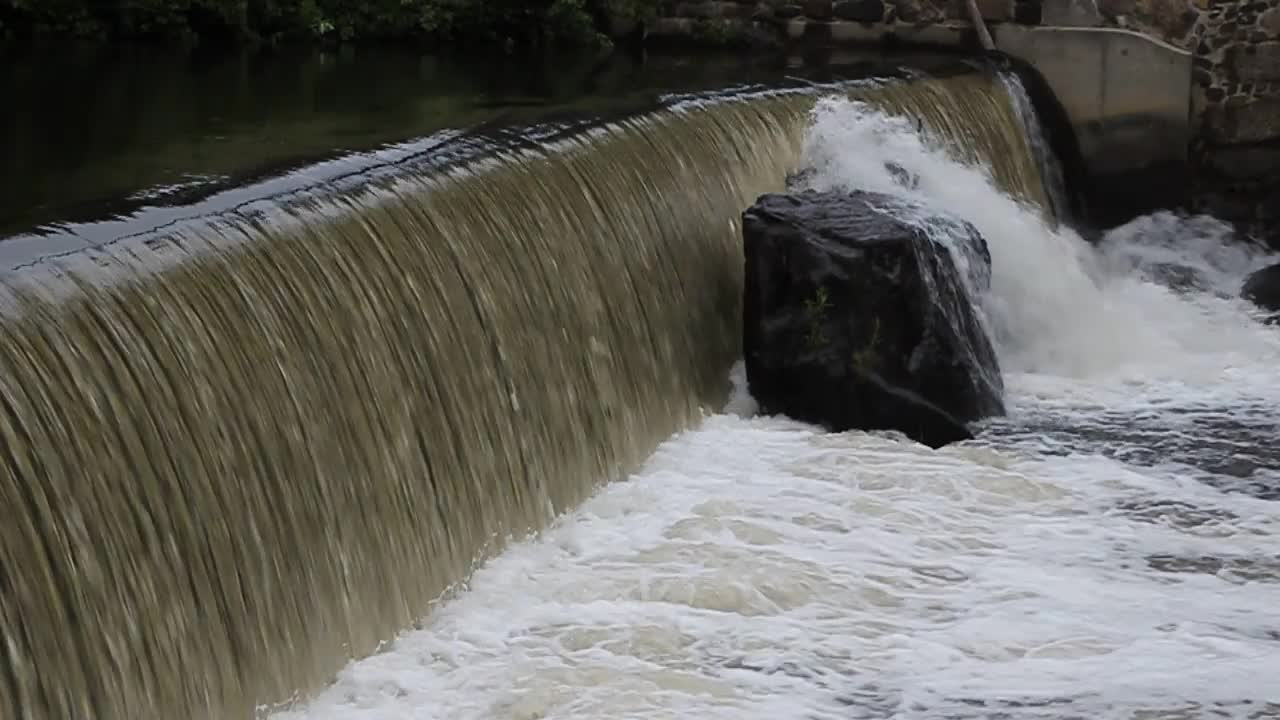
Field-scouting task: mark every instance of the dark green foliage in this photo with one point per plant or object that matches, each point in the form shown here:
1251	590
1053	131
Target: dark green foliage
506	23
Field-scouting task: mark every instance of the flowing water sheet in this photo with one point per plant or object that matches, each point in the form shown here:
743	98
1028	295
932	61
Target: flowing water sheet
1108	550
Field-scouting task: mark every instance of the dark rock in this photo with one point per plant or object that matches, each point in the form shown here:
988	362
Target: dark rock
1072	13
703	9
991	10
818	38
915	11
1116	8
786	12
867	11
818	9
764	12
741	11
1224	203
760	36
1269	22
1243	120
1259	63
1169	18
1027	13
856	318
1263	288
1268	233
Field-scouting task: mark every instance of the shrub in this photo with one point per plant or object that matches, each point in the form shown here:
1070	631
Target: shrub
527	23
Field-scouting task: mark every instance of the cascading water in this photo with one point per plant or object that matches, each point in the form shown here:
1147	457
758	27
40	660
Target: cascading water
249	439
1047	163
231	474
1105	551
242	449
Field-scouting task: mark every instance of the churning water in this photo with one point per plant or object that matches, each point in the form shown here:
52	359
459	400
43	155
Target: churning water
247	438
1108	550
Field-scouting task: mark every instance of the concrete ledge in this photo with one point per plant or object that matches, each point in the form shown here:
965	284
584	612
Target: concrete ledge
1126	95
1128	98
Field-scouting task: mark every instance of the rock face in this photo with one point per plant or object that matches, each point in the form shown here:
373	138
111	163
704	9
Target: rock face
1236	108
1263	288
856	318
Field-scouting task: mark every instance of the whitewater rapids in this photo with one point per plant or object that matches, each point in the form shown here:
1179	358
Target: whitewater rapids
1108	550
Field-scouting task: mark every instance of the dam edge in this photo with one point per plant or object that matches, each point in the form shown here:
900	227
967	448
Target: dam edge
204	298
320	479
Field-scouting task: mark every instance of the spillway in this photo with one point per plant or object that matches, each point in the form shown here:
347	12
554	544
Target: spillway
263	439
250	439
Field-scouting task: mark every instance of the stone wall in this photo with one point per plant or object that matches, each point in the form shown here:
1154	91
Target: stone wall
1171	21
1236	108
812	23
920	22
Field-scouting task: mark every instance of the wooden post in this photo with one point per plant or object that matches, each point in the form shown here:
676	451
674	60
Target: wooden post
975	16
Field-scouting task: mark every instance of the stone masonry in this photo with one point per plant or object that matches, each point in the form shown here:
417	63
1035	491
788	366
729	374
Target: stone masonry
1236	108
926	22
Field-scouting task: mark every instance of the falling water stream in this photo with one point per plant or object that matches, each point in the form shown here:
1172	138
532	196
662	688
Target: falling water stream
1107	550
246	444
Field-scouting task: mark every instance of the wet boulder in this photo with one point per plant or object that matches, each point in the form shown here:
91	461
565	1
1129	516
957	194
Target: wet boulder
859	313
1262	288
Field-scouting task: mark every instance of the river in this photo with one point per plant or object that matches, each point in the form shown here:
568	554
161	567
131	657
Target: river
1107	550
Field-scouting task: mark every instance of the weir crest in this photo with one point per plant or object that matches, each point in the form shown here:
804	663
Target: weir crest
241	450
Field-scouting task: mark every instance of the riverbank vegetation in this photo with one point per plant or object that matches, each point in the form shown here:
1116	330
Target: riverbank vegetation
509	24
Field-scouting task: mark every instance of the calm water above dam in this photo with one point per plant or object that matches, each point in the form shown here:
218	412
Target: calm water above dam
289	344
94	131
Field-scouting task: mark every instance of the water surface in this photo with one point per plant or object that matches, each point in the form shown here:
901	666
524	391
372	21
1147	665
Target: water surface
1107	550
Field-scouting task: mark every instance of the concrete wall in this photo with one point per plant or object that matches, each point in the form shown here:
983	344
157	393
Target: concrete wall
928	22
1128	98
1125	93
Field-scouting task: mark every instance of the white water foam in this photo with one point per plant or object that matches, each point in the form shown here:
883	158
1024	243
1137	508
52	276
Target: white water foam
1056	305
1089	556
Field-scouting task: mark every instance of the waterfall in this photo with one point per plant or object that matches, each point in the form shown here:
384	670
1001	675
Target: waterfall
241	449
